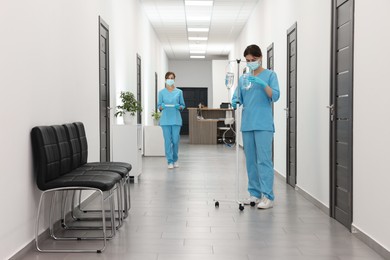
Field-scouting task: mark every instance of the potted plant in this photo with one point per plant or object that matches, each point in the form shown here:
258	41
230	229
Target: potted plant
156	117
129	106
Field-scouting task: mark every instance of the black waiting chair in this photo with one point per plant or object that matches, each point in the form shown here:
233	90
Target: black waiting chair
78	140
56	172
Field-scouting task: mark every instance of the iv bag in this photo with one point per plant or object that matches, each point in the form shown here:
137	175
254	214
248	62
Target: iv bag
229	77
229	80
245	81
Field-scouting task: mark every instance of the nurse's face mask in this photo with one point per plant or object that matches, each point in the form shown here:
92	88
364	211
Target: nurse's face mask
170	82
254	65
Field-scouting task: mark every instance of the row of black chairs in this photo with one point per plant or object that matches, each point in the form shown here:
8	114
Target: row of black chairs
60	155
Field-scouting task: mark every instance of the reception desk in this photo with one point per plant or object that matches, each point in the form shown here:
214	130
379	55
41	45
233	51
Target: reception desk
204	124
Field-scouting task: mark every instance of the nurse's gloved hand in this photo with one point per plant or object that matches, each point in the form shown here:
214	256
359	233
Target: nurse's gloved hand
258	81
234	105
177	106
162	106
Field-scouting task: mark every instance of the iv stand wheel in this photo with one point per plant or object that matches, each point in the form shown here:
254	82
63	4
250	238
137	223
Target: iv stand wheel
241	207
217	204
253	203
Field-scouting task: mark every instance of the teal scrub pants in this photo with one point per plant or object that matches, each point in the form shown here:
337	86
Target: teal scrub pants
258	155
171	140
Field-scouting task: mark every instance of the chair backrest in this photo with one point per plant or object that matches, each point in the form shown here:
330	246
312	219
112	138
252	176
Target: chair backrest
65	149
46	154
83	141
73	139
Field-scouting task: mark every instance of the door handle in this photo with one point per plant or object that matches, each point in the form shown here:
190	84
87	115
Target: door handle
331	110
287	111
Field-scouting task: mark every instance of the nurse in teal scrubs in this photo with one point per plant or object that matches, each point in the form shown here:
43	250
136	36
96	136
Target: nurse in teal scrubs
257	127
171	103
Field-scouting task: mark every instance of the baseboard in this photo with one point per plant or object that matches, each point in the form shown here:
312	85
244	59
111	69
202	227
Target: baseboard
30	246
46	234
306	195
374	245
279	175
313	200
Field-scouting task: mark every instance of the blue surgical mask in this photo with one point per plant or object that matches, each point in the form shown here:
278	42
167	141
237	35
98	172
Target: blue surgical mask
254	65
170	82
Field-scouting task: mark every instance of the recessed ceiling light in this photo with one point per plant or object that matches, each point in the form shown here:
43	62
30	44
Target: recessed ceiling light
199	3
197	38
197	47
198	18
197	57
198	29
198	52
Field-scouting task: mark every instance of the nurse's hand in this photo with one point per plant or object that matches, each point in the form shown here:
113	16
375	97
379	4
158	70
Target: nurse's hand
258	81
162	106
234	105
177	106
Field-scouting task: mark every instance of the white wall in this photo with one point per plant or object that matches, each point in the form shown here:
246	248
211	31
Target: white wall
269	23
193	74
49	75
131	24
371	120
220	92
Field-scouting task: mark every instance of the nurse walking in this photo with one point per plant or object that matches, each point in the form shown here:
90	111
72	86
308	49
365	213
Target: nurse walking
171	103
257	127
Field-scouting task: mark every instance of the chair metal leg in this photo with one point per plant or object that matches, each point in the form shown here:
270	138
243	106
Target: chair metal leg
119	209
112	208
104	238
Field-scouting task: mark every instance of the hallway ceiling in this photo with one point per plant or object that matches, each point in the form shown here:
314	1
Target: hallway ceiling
172	19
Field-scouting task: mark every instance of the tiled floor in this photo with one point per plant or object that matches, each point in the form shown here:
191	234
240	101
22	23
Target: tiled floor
173	218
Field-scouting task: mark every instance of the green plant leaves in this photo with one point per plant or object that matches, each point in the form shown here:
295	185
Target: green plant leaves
129	104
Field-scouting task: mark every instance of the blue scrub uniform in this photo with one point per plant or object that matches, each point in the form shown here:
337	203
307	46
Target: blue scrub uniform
171	121
257	127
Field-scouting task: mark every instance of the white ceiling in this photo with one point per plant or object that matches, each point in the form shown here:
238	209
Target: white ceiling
171	18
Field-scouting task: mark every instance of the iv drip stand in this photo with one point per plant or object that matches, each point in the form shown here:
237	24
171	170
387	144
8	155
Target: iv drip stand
237	115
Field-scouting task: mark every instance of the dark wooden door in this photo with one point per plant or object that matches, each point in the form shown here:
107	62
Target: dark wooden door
104	91
341	111
270	66
292	105
155	91
139	88
192	98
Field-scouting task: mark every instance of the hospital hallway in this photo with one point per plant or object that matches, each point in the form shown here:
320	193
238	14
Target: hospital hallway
172	217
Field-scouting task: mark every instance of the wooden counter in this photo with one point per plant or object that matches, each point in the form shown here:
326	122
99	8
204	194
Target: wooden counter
204	123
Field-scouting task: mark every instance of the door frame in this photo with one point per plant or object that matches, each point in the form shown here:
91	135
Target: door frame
270	66
290	181
103	25
333	110
139	86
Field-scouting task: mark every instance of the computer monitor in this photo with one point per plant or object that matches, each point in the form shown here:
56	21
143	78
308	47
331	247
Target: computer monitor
225	105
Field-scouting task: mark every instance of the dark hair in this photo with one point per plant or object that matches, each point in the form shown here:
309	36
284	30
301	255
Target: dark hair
253	50
169	73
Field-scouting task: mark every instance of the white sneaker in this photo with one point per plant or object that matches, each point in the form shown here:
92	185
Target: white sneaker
170	166
251	199
176	164
265	203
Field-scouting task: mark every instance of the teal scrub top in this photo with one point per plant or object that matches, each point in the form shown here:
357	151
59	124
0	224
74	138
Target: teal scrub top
171	115
256	105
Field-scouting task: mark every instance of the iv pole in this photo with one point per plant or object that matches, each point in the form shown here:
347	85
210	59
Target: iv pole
237	115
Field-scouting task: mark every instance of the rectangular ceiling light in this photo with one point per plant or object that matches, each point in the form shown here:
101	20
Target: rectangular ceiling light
197	56
197	47
199	3
197	52
197	38
198	29
198	18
